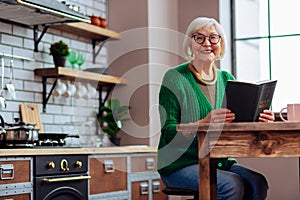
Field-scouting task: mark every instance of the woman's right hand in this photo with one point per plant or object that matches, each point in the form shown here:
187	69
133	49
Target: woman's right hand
222	115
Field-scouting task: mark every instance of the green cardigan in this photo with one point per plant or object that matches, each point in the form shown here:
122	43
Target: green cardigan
181	101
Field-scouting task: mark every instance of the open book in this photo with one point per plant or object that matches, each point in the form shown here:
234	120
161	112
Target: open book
247	100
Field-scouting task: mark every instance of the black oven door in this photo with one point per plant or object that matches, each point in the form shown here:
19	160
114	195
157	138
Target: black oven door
64	187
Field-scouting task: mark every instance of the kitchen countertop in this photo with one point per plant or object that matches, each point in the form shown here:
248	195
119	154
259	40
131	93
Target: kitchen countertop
74	150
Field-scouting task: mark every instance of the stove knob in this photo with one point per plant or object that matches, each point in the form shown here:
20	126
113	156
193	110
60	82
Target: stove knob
78	164
51	165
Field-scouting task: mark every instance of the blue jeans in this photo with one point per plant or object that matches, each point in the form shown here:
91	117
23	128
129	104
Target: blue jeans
238	183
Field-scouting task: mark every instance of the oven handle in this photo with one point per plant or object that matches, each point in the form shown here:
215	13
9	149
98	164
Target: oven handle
74	178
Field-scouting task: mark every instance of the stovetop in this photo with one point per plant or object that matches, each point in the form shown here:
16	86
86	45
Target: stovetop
18	146
46	143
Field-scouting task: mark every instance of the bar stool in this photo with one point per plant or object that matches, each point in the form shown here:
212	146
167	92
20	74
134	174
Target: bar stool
181	192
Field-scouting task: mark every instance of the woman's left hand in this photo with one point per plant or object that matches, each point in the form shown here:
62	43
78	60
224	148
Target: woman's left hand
266	116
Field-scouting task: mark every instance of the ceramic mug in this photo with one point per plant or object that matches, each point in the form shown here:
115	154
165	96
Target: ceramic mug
81	91
293	112
60	89
71	90
91	91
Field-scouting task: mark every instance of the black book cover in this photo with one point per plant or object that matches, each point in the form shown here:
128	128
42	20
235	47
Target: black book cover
247	100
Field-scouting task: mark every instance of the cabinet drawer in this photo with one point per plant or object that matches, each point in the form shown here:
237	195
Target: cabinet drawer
143	163
140	190
15	171
17	197
157	186
108	174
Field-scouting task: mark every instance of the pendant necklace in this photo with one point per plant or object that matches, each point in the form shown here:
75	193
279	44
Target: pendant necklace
199	77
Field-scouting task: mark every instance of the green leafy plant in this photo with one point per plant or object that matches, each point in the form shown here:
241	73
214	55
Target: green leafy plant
113	117
59	48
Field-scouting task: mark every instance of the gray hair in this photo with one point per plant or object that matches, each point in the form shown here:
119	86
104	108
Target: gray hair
196	24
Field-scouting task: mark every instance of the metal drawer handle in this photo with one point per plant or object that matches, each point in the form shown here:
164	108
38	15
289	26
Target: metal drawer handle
155	186
109	166
144	188
149	163
7	169
74	178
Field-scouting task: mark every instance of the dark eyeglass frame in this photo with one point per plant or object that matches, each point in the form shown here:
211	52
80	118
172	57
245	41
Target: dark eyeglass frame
210	38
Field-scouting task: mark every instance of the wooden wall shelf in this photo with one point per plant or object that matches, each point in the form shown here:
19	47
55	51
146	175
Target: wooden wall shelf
71	74
21	15
105	82
88	30
97	34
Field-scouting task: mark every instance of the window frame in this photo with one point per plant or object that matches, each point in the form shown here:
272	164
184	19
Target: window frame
234	39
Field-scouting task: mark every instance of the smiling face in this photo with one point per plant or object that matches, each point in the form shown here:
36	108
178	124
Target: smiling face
206	52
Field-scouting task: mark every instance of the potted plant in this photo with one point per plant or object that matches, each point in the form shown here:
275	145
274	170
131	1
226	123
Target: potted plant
59	50
112	118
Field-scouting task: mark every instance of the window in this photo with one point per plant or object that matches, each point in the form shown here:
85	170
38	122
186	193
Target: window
266	41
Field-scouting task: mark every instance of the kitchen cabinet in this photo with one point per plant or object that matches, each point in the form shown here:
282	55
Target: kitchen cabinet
16	178
116	173
142	163
108	177
125	176
144	178
105	82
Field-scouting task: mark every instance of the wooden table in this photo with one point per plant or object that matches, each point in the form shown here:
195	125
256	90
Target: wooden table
254	139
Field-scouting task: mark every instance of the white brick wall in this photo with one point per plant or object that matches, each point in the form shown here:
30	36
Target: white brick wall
62	113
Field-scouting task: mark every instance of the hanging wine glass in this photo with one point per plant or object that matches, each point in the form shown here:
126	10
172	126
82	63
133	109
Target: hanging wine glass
73	57
81	59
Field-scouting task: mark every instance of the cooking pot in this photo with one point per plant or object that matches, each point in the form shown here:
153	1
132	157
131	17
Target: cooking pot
18	132
21	134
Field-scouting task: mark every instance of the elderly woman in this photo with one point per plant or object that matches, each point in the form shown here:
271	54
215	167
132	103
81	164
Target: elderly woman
193	93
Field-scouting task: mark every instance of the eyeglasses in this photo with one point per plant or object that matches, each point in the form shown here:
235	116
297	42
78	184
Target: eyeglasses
200	38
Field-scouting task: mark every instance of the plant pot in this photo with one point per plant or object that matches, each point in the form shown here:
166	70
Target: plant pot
59	60
115	140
